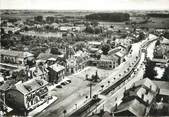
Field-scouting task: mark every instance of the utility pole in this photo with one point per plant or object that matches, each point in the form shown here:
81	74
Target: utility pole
90	89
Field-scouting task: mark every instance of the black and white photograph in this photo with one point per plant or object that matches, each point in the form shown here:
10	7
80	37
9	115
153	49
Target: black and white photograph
84	58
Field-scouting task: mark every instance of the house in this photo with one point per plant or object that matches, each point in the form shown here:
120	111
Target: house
130	108
120	55
15	57
77	62
39	71
28	95
114	58
56	73
138	99
164	90
124	48
108	61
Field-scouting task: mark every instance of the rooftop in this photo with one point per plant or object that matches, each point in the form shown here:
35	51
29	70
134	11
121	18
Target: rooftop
56	67
134	107
120	54
165	41
20	54
30	85
109	57
147	83
46	56
164	87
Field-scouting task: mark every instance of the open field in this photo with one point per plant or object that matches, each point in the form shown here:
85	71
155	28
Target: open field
157	23
24	14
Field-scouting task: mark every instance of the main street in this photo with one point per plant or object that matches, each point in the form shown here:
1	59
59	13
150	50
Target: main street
79	89
115	96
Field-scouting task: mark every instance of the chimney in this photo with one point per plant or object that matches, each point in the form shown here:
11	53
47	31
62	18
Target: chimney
142	96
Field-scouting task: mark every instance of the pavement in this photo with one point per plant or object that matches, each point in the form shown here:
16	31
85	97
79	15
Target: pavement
115	96
79	89
42	107
73	95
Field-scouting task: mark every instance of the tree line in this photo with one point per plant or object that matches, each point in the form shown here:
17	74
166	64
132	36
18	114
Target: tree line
158	15
112	17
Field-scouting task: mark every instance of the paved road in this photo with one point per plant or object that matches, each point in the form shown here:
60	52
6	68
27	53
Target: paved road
79	89
116	96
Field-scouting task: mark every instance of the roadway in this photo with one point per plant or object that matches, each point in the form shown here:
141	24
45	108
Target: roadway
114	98
77	99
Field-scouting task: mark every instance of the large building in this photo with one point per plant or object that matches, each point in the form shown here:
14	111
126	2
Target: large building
27	95
15	57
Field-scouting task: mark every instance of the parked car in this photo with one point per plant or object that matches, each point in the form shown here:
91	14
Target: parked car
59	86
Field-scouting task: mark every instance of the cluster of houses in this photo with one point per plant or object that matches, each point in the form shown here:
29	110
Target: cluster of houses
144	98
161	52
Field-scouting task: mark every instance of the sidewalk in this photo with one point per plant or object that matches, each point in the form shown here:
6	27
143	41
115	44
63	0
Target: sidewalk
54	86
42	107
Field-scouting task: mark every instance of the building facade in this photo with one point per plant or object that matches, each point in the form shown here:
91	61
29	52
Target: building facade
28	95
56	73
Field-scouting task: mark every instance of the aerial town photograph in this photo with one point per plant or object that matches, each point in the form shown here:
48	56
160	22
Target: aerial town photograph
84	58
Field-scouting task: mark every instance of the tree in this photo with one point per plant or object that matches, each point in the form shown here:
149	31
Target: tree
105	48
55	51
157	43
149	70
94	23
141	36
50	19
89	29
38	18
165	76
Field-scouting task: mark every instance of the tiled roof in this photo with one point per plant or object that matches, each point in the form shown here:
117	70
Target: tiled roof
109	57
159	60
30	85
120	54
165	41
113	51
46	56
105	114
20	54
145	88
164	87
147	82
134	107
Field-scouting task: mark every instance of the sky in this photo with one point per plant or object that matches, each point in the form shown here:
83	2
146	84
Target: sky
86	4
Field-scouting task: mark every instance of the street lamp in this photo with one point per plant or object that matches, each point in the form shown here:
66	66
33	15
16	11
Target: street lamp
90	89
108	83
64	112
102	86
4	107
